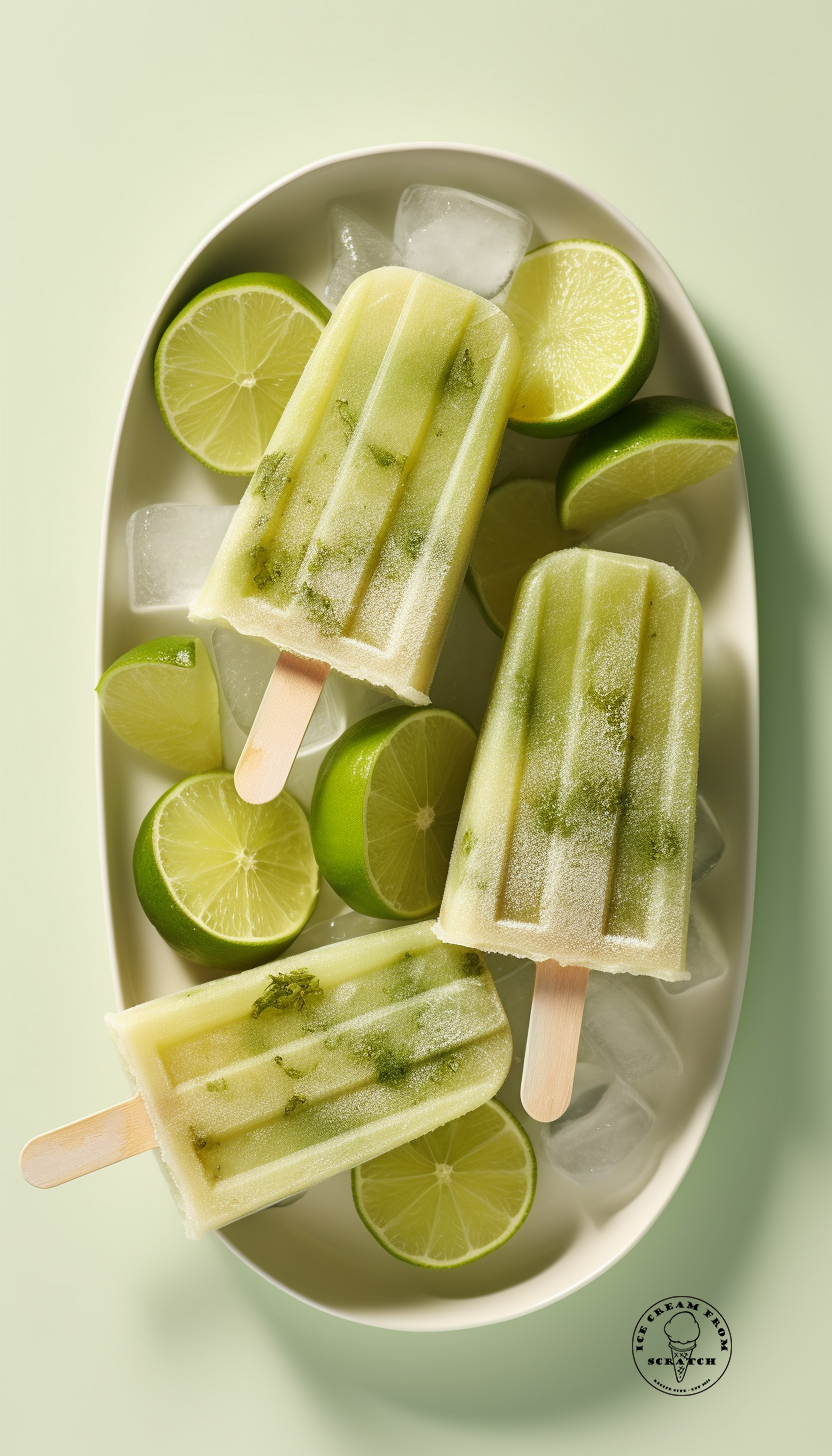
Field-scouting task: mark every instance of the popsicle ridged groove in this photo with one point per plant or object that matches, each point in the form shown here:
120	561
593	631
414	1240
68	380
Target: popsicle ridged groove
575	840
267	1082
352	540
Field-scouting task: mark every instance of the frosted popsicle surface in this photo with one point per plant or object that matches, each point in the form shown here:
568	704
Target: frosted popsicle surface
575	840
352	540
266	1082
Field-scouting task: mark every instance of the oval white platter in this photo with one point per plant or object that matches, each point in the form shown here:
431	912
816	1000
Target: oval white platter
317	1249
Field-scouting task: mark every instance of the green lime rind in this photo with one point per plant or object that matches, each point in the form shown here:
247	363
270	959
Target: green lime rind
526	315
344	816
170	651
654	446
421	1221
519	524
276	283
161	697
170	915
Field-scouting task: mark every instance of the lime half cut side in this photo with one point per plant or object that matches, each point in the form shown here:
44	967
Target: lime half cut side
588	326
227	884
453	1195
385	809
228	363
161	698
518	525
654	446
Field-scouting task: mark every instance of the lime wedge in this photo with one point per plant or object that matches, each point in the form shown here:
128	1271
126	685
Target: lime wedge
654	446
452	1196
588	326
225	883
226	366
518	525
162	698
385	809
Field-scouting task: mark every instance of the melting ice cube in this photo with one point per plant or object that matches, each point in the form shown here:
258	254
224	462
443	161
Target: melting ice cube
661	533
623	1032
706	957
708	841
170	550
357	247
244	666
602	1126
465	239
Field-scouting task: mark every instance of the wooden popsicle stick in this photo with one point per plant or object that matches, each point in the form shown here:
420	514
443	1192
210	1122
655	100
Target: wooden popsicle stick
277	732
554	1033
83	1147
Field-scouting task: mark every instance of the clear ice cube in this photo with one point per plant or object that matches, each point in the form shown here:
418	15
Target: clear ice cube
469	240
708	841
660	532
170	550
357	247
622	1031
706	957
602	1126
244	666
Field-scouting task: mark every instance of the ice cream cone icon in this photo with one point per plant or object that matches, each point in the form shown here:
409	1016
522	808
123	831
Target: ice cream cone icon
682	1333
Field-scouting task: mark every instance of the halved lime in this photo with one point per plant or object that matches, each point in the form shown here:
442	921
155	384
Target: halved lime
226	883
589	333
385	809
518	525
452	1196
226	366
161	697
652	447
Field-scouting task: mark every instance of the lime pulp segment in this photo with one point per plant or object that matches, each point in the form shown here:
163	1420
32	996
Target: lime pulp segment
227	364
453	1195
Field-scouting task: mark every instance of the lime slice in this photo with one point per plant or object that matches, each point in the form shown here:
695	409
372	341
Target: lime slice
162	698
385	809
226	366
652	447
588	326
519	524
226	883
453	1195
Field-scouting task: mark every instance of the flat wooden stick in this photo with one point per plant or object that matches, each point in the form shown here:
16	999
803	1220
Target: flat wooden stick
83	1147
277	731
554	1033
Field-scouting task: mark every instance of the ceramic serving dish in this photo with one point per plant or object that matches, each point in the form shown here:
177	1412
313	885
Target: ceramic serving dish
317	1249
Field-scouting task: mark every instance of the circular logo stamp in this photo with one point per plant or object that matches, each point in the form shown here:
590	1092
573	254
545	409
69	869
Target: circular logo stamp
681	1345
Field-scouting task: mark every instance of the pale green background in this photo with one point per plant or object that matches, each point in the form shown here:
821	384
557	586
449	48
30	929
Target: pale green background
130	129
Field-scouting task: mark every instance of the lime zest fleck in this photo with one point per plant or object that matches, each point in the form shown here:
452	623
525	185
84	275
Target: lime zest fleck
289	991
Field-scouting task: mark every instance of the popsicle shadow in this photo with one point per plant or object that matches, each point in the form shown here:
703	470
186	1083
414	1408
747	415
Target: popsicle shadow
576	1354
